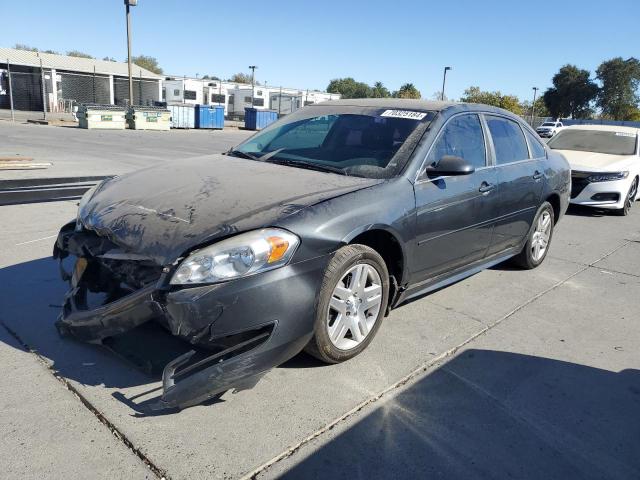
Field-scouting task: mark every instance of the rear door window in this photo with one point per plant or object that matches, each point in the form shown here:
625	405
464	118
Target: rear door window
537	149
461	137
508	140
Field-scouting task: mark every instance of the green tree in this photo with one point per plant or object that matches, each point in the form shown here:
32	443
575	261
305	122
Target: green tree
475	95
496	99
572	94
511	103
210	77
240	78
109	59
620	79
380	91
149	63
22	46
408	90
634	115
51	51
79	54
541	108
349	88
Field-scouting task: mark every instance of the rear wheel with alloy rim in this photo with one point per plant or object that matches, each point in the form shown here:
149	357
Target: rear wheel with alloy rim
537	246
629	199
351	304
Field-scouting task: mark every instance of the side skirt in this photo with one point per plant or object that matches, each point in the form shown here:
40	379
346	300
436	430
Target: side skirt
446	279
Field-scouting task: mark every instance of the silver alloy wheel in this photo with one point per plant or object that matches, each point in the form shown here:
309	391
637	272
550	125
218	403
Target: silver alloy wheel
354	306
541	236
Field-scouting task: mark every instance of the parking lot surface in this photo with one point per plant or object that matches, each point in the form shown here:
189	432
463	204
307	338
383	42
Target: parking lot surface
509	373
77	152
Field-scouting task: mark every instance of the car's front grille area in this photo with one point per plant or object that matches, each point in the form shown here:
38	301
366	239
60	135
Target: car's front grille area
579	180
104	273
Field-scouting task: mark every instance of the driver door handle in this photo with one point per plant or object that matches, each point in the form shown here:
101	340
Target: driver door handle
537	175
486	187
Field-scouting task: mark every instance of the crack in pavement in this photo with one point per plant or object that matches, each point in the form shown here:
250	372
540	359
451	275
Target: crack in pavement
158	472
253	474
609	270
162	474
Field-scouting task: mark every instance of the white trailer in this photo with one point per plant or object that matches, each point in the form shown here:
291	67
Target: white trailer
185	90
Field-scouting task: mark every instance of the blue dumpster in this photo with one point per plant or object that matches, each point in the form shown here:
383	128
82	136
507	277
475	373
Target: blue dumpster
210	116
255	119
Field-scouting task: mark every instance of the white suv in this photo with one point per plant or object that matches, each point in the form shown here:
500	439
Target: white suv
549	129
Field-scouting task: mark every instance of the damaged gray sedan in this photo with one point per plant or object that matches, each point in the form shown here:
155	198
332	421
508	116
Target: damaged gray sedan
305	235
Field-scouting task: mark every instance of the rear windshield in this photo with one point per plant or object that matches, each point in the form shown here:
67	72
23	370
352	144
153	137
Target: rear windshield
597	141
360	141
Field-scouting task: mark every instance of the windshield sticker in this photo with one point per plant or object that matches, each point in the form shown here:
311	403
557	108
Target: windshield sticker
625	134
404	114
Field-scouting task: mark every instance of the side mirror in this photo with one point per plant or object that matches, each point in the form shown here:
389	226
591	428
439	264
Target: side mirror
450	165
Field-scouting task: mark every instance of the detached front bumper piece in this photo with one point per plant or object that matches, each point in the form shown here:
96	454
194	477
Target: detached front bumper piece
236	331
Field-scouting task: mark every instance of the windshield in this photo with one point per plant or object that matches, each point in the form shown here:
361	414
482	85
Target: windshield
548	124
598	141
351	140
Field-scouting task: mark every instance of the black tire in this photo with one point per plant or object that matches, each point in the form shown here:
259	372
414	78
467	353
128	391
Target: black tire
320	346
525	258
629	199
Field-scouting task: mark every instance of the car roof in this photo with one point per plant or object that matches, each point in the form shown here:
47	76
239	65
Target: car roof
411	104
431	105
606	128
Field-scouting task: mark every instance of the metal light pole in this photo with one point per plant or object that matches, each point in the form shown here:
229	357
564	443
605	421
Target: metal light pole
129	3
444	80
533	105
44	91
253	82
13	117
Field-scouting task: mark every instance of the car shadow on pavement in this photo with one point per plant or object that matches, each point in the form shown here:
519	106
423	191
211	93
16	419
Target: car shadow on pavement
582	211
491	414
30	301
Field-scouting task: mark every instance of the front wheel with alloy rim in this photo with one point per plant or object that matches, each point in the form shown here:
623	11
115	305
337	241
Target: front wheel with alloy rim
629	199
351	304
537	246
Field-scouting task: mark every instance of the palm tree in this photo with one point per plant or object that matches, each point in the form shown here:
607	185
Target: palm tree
408	90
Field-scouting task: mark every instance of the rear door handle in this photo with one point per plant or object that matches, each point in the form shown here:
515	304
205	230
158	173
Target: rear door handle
537	175
486	187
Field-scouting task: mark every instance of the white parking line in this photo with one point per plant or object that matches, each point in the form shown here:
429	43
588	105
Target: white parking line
36	240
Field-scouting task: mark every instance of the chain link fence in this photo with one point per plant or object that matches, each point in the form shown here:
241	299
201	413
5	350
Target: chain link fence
145	92
47	90
535	122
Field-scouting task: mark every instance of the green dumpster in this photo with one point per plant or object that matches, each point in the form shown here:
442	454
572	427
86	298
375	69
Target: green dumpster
96	116
148	118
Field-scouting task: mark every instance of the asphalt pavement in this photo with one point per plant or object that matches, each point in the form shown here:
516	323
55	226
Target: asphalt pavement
507	374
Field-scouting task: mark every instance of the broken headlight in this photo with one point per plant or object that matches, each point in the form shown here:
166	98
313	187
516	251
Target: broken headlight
239	256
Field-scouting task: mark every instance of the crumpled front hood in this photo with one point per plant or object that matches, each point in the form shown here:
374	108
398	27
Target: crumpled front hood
596	162
163	211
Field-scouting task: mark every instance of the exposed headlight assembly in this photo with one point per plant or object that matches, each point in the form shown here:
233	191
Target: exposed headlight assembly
608	176
239	256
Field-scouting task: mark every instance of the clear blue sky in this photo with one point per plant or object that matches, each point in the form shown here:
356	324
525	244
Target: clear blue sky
497	45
